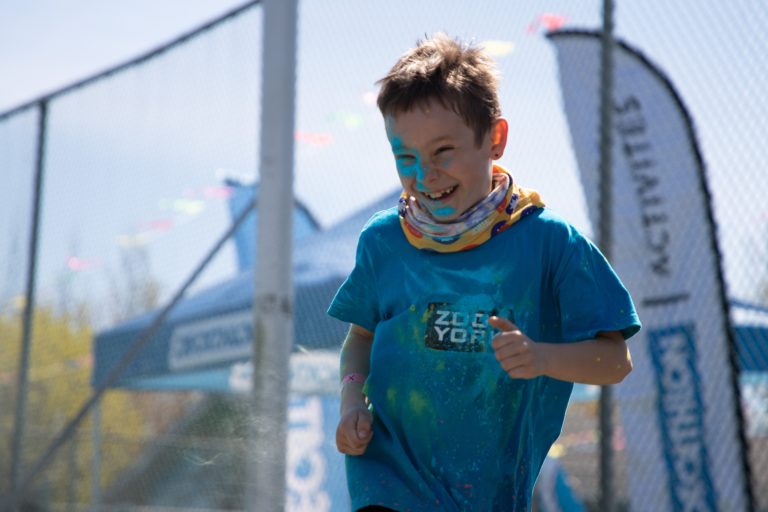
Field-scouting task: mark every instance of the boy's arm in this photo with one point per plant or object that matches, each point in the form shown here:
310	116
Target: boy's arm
603	360
354	430
355	359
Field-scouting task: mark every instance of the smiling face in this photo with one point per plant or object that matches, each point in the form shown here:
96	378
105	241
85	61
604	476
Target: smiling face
439	161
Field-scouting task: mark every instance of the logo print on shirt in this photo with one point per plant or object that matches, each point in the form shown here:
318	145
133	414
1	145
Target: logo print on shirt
452	329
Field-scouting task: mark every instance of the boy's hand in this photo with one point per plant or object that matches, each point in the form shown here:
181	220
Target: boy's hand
518	355
354	431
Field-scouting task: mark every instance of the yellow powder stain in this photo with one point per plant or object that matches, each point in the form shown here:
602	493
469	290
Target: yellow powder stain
391	396
440	366
418	402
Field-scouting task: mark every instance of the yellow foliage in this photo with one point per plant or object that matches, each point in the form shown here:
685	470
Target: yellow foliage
59	384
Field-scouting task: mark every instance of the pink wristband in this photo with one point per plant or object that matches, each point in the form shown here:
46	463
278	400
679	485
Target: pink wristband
352	377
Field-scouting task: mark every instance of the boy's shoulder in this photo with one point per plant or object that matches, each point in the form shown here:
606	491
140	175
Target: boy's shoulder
383	233
546	220
382	221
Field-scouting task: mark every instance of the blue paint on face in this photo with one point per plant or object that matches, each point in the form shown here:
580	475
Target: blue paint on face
408	163
411	165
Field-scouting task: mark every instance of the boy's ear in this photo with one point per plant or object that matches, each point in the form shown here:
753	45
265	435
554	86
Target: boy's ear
499	131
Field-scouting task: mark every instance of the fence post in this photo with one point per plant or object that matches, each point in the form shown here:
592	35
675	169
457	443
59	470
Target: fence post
96	457
17	448
607	480
273	300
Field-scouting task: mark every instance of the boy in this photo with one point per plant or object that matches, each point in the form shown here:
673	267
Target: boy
437	412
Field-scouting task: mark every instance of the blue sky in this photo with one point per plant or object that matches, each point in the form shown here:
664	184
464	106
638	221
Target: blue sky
48	44
129	179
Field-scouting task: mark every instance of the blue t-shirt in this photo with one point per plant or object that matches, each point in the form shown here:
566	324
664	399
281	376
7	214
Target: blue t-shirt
452	431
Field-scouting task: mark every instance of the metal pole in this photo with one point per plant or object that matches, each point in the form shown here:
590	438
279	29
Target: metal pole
29	305
273	301
607	487
73	477
96	458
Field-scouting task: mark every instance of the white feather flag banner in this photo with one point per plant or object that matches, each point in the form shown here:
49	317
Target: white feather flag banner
680	406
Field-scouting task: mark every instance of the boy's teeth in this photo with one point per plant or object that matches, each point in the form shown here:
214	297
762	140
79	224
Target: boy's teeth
438	195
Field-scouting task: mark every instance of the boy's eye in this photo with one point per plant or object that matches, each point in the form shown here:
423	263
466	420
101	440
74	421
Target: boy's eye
443	156
405	159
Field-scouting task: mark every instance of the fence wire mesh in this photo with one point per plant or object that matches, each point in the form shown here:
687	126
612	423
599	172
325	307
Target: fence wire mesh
144	167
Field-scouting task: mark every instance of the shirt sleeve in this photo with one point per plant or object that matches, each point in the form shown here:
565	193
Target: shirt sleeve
356	301
590	295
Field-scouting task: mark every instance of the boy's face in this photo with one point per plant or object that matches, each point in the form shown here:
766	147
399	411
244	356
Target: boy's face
439	162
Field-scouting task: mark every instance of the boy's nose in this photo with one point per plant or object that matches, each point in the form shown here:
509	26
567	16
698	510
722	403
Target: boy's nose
426	173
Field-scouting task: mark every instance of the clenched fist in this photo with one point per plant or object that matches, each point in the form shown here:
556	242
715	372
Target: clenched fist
518	354
354	431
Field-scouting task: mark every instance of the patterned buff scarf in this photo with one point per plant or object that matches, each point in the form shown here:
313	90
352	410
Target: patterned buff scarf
506	204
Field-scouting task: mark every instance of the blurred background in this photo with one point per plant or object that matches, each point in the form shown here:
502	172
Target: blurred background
146	160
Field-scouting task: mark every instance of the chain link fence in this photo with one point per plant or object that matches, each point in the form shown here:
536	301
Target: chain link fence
144	167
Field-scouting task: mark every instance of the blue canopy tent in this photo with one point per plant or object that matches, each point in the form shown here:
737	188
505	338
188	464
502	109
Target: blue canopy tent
209	333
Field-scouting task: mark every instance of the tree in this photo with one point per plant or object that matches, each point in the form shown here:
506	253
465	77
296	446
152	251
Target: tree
136	290
59	383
